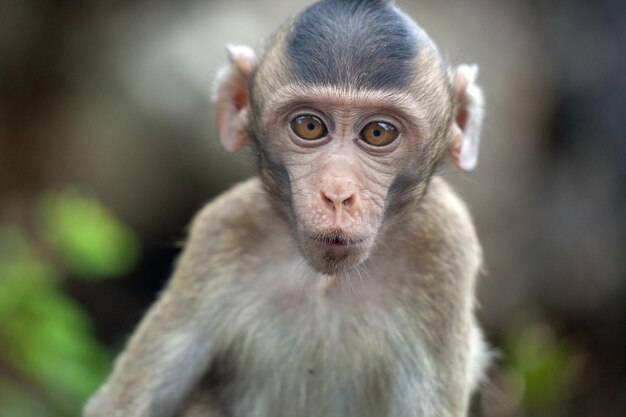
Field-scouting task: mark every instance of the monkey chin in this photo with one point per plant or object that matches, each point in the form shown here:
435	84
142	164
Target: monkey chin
335	256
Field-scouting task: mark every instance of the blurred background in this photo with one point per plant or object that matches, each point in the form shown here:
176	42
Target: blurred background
107	148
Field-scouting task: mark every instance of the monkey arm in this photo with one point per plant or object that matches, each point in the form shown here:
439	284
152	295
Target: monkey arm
164	358
172	348
446	345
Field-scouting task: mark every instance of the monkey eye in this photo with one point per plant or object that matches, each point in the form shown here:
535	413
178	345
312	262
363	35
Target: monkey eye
379	133
308	127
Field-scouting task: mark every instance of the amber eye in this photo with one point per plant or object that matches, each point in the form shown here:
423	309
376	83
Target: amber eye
379	133
308	127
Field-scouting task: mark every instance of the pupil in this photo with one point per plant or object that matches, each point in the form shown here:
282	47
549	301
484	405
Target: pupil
377	133
310	126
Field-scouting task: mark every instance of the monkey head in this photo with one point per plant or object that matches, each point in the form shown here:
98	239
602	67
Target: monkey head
350	109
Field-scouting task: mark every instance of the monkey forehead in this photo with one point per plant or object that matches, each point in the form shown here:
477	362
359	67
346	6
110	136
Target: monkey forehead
395	102
367	43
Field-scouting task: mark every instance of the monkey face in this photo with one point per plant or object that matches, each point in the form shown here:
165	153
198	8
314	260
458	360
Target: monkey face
341	152
348	123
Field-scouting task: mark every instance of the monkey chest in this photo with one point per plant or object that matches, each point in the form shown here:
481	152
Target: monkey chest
306	354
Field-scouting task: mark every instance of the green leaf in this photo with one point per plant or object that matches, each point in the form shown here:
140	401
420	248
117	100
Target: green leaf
92	242
16	402
21	271
46	338
548	366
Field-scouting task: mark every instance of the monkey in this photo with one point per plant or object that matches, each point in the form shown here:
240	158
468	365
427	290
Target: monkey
340	280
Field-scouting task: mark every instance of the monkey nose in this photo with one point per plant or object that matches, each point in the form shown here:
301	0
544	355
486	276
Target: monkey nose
338	201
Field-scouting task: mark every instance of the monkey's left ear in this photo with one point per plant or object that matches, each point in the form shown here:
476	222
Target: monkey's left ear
468	119
232	97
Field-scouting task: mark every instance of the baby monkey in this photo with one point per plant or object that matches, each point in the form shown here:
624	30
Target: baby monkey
340	282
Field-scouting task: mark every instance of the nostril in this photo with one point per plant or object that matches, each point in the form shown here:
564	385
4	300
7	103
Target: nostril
328	200
348	201
336	201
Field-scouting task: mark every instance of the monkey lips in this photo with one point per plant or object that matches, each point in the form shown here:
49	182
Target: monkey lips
335	252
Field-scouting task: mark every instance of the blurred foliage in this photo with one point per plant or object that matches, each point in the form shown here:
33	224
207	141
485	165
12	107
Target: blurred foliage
537	372
93	244
49	359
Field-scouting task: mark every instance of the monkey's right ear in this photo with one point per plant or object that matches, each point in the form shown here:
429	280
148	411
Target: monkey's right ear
468	119
232	97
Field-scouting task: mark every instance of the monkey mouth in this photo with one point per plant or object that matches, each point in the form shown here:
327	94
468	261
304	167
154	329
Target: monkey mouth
337	240
333	252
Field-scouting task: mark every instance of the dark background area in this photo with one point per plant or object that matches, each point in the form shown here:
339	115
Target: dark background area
113	99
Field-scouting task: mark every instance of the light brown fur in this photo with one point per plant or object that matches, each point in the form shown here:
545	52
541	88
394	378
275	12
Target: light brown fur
289	348
338	284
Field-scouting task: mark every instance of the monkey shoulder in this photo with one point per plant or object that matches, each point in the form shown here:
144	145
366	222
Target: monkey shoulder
443	227
442	205
240	215
231	227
